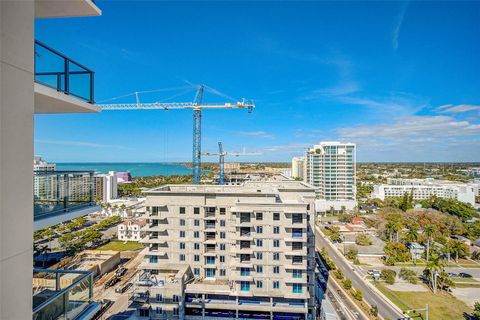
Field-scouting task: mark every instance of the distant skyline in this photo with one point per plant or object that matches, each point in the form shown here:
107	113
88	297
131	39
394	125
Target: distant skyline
399	79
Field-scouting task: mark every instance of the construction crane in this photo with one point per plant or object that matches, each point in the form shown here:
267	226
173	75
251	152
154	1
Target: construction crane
221	160
197	106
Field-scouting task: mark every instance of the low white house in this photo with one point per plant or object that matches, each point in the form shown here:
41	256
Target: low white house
130	230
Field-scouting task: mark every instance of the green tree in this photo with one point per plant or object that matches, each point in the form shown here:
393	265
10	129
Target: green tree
432	270
476	310
388	275
352	253
347	284
408	275
412	234
338	274
363	239
429	231
357	294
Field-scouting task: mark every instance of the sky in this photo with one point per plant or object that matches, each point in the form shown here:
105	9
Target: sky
399	79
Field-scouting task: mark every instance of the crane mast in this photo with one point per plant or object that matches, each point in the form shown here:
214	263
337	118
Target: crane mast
197	106
221	160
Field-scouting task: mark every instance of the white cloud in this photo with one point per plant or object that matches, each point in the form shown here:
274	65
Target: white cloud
398	25
450	108
259	134
414	127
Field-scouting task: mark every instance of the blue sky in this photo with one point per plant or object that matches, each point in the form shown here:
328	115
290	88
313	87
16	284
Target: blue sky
400	79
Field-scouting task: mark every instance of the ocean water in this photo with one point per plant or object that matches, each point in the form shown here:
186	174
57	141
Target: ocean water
135	169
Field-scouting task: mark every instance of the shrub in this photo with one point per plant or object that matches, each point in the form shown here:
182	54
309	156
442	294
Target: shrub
347	284
352	253
338	274
374	310
408	275
475	255
362	239
388	275
357	294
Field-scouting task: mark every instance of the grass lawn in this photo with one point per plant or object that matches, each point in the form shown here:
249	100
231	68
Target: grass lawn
440	305
121	246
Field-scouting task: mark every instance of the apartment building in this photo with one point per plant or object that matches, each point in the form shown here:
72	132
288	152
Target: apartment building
331	168
249	250
130	230
41	165
106	187
425	188
27	89
298	167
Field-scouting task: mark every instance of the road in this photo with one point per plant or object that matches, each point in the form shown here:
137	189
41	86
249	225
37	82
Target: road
385	310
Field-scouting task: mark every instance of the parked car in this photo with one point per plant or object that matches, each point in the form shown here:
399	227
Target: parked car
465	275
451	274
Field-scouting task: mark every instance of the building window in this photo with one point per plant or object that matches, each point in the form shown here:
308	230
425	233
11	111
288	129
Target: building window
276	284
196	258
276	256
297	273
159	297
259	255
182	210
297	259
245	286
244	272
259	284
210	260
196	234
153	259
297	218
297	233
196	246
223	273
276	216
276	269
222	210
222	258
196	271
297	288
196	210
276	230
182	257
196	222
158	310
259	215
259	269
222	235
182	222
222	246
276	243
182	234
222	223
182	245
259	243
210	273
259	229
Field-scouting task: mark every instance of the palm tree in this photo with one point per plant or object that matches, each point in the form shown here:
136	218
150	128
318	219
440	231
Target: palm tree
432	271
447	250
457	247
429	231
412	234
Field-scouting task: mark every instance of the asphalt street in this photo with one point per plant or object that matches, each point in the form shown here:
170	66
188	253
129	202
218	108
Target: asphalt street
385	310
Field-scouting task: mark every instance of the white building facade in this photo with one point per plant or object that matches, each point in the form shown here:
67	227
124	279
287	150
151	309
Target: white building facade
298	167
425	188
250	248
106	188
130	230
331	168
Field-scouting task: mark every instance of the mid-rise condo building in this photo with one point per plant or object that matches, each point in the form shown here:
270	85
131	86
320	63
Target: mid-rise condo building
331	167
425	188
298	167
229	251
106	187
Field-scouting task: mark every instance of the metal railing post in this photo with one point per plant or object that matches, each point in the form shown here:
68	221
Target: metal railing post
67	76
92	86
